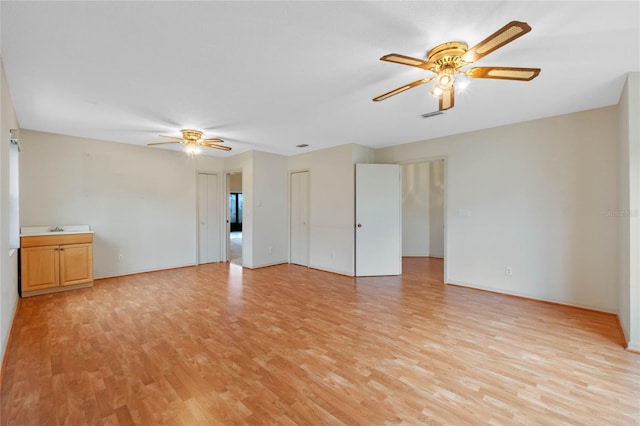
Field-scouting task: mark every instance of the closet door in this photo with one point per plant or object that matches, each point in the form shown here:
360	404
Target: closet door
208	219
299	218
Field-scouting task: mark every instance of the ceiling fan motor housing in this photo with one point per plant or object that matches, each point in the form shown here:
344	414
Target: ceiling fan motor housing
447	55
191	135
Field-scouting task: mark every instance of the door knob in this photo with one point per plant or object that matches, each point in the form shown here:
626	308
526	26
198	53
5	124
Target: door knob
359	225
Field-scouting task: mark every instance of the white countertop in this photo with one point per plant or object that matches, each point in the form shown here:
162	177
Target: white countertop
28	231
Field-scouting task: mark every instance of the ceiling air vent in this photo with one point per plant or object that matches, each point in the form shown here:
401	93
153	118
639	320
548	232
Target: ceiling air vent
302	145
431	114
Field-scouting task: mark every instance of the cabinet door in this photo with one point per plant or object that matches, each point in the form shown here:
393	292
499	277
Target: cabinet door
40	267
76	264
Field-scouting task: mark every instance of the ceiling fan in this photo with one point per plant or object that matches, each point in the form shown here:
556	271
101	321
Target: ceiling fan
193	141
447	60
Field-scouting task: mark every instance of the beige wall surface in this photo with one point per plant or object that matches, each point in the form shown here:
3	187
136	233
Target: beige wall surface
331	213
437	193
533	197
415	209
270	219
140	202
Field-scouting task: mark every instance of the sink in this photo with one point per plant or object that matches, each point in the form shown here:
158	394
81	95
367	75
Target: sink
55	229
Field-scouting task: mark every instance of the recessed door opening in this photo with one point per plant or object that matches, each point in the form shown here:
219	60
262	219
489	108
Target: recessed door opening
235	203
423	209
423	190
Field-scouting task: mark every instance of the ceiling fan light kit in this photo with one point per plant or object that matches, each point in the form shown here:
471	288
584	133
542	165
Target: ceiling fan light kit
447	61
193	142
192	150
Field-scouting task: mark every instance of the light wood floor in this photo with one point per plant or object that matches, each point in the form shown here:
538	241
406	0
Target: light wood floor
235	247
216	344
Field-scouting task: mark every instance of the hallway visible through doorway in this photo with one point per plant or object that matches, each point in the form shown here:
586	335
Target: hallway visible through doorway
234	217
235	247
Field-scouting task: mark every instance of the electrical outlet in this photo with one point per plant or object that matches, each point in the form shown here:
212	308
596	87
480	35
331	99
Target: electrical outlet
120	257
508	271
270	250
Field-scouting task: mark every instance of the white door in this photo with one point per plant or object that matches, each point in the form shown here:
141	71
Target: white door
208	223
299	218
378	219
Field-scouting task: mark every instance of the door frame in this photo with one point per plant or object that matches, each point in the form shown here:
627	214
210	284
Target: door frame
197	227
446	203
291	172
226	190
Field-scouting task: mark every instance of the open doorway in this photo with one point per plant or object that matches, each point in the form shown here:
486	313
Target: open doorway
235	203
423	209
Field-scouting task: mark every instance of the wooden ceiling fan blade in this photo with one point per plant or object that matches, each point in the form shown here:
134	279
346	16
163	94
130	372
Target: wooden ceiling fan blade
212	140
171	137
402	89
162	143
446	100
408	60
504	35
504	73
213	145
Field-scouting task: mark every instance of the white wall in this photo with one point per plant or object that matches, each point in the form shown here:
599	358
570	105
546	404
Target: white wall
436	208
8	262
628	211
139	201
532	197
415	209
361	154
270	219
332	204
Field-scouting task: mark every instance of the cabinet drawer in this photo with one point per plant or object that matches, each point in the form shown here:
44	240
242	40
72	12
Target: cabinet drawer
53	240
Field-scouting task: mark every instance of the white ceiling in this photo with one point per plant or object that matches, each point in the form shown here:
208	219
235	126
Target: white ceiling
271	75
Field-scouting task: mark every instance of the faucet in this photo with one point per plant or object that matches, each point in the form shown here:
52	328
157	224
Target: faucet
56	229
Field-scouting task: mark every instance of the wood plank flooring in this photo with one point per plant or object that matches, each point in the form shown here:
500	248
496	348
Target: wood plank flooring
219	345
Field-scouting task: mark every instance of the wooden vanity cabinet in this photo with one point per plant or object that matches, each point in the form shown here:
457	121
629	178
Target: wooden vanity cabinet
50	263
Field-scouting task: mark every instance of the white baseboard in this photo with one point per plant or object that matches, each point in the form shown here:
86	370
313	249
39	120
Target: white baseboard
333	271
633	347
264	265
145	271
532	297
